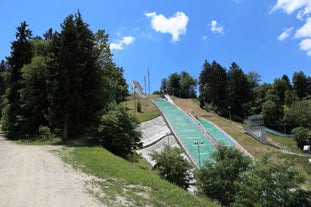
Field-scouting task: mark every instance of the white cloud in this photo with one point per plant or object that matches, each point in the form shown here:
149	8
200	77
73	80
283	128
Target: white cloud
303	9
305	45
175	25
204	37
119	45
285	34
305	33
305	30
216	28
289	6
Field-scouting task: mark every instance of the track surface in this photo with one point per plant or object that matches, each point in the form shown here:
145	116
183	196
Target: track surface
33	176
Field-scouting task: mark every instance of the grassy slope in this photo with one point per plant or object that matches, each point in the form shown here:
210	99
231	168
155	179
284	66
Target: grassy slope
127	184
236	130
149	111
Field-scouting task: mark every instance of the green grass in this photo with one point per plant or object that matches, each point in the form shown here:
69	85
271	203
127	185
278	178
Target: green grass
148	110
301	163
288	143
135	184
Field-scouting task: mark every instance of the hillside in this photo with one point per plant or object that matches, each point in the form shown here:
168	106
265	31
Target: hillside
122	183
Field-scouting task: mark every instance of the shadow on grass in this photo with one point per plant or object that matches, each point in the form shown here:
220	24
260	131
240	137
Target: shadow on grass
79	142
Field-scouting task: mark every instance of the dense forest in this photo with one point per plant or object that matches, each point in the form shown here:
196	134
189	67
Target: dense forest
63	83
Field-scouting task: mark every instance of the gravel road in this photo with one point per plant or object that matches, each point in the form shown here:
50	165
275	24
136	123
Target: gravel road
33	176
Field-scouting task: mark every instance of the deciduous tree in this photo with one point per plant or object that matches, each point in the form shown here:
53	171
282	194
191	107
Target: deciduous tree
302	136
271	184
299	114
118	131
34	95
216	179
172	166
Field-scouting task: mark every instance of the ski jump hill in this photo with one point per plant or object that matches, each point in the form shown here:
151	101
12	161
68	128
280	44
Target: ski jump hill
199	138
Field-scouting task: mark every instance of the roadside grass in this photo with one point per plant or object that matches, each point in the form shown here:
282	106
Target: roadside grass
127	184
39	142
148	110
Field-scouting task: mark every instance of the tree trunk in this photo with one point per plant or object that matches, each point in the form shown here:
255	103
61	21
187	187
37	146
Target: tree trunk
65	129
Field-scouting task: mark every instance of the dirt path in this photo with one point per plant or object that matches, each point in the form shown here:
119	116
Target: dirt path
33	176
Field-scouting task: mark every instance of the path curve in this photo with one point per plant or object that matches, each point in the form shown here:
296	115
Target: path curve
33	176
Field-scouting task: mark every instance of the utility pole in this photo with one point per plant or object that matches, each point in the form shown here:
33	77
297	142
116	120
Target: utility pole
149	80
198	143
145	85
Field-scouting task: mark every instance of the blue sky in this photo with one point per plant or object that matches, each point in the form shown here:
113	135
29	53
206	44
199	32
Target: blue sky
270	37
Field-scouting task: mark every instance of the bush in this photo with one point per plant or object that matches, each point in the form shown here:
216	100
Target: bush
172	166
216	178
302	136
44	133
117	131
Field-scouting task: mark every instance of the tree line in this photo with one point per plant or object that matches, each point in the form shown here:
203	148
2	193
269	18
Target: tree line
285	104
65	81
182	85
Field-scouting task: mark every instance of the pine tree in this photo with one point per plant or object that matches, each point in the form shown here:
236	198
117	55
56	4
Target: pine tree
21	54
301	85
214	87
75	78
3	83
239	91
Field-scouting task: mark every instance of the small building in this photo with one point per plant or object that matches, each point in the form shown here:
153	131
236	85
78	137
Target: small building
306	148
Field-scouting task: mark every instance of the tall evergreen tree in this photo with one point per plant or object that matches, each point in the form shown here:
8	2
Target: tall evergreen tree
188	85
174	85
272	110
286	79
21	54
280	86
75	78
214	87
163	87
301	85
113	82
3	83
48	34
204	84
119	87
239	91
